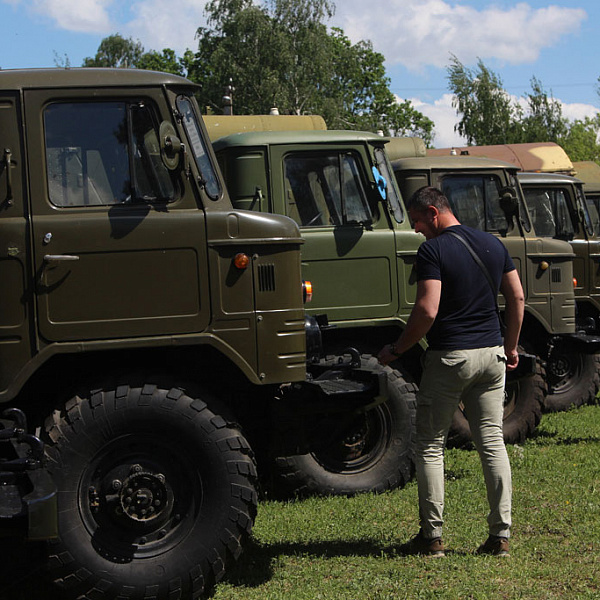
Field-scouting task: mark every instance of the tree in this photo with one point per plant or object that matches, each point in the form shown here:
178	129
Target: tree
581	141
116	51
488	115
281	54
165	61
544	120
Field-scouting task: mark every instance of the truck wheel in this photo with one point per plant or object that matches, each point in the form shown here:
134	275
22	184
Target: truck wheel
523	400
156	493
573	379
376	452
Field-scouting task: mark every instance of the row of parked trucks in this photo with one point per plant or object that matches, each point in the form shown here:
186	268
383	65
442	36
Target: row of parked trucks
158	350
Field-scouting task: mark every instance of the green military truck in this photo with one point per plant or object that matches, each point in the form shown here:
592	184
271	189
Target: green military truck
589	172
486	194
360	248
558	209
154	345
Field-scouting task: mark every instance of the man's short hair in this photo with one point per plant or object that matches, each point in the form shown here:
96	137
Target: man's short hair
428	196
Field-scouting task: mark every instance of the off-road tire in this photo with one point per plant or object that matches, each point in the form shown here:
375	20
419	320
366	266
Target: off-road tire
573	380
116	451
384	436
522	411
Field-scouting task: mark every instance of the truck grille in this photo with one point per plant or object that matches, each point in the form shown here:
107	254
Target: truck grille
266	278
556	275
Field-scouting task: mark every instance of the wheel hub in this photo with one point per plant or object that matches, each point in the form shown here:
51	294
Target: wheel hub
560	367
143	496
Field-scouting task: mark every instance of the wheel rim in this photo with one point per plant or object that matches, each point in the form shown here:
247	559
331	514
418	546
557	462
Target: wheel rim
138	497
564	371
363	444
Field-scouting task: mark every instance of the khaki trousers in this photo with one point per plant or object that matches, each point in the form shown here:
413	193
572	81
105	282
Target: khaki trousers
475	377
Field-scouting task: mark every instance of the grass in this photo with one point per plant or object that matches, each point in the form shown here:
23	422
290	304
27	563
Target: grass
346	548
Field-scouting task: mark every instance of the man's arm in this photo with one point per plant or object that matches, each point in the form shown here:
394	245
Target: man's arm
420	321
512	290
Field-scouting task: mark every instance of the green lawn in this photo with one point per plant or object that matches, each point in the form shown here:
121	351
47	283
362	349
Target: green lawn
346	548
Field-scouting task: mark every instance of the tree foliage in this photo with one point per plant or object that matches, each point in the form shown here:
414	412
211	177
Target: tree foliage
487	112
281	54
488	115
116	51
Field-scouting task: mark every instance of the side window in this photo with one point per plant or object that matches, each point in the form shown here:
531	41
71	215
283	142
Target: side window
324	189
550	213
103	153
475	200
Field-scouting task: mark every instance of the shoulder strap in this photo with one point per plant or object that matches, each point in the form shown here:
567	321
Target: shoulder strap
485	272
477	260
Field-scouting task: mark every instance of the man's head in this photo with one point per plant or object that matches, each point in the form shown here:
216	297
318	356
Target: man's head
430	212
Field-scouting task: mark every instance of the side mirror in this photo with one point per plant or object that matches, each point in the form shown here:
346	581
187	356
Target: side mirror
171	147
509	203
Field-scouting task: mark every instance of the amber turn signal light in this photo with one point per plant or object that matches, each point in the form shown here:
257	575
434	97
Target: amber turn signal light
574	282
241	261
307	291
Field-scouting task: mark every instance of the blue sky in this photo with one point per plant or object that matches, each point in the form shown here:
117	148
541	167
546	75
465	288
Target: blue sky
559	43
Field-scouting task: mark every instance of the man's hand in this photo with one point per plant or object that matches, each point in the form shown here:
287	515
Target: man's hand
385	356
512	360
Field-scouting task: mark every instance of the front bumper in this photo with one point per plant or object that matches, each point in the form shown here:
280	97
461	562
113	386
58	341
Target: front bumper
28	502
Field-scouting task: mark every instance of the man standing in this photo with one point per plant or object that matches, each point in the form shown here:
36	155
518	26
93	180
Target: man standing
466	361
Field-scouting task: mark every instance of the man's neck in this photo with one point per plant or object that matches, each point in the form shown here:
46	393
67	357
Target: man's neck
446	219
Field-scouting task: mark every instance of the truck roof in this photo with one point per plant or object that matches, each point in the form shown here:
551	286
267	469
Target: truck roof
21	79
538	156
439	163
546	178
589	172
263	138
221	125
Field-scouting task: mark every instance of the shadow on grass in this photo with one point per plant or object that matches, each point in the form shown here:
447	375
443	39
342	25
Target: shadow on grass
546	438
256	566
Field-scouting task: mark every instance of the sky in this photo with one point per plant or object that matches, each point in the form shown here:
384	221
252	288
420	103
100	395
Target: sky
556	42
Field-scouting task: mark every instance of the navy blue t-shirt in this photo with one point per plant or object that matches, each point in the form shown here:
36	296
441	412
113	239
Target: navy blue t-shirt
467	316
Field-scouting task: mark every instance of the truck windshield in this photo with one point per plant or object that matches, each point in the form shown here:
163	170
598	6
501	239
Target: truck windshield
475	200
323	188
208	177
549	212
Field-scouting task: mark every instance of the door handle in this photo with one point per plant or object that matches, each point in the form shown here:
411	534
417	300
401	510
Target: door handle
59	257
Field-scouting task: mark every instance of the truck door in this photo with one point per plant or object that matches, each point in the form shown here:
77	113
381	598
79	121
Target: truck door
120	247
349	252
15	308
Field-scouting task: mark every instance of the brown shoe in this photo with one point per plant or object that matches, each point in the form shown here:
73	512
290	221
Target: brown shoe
422	546
494	545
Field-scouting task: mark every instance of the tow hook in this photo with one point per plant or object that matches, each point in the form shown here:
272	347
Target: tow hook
18	433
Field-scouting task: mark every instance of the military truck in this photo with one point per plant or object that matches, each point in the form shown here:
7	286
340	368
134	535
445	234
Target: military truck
589	172
360	248
154	346
558	209
486	194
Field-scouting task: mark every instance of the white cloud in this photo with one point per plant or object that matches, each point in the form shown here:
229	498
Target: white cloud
443	114
155	23
578	111
417	33
86	16
173	26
